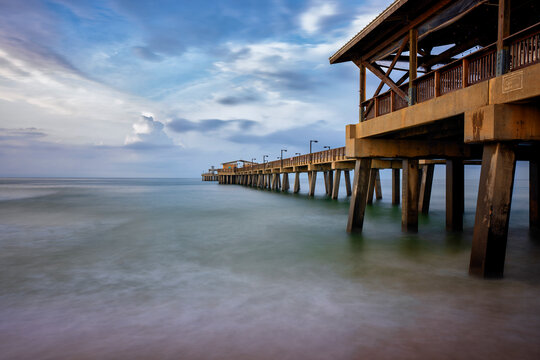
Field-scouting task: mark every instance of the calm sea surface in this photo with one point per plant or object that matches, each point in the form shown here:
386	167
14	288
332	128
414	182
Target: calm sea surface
184	269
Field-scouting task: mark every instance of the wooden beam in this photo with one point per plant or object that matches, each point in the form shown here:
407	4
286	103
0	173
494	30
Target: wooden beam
493	210
359	195
371	186
312	182
378	190
390	68
285	186
534	196
348	183
411	25
454	194
391	84
330	182
503	30
425	188
395	186
413	64
296	183
362	91
335	188
409	208
406	148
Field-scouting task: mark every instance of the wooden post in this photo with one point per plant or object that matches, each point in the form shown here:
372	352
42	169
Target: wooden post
348	183
371	186
325	175
409	209
312	182
330	182
454	194
335	190
378	190
425	188
413	64
464	73
534	196
395	186
362	91
278	181
296	182
357	206
503	30
285	186
493	210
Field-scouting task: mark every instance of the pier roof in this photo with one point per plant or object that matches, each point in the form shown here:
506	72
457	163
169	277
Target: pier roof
439	23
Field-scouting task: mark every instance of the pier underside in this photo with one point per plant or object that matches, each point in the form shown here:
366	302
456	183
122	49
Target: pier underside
497	122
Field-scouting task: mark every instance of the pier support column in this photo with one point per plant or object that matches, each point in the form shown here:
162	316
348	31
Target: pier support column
409	208
278	181
296	182
348	182
312	182
325	175
425	188
378	189
395	187
371	187
455	184
359	195
335	189
534	196
285	186
274	181
493	210
330	182
269	181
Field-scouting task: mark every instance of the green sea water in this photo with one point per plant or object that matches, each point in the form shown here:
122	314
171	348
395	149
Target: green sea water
184	269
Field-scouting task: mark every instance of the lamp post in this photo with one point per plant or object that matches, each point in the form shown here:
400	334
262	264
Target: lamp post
281	157
264	163
311	142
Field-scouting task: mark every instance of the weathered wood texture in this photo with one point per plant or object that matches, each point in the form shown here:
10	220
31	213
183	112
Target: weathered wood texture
534	196
312	182
371	186
359	195
493	210
378	189
425	188
395	186
454	194
348	183
296	183
335	188
409	209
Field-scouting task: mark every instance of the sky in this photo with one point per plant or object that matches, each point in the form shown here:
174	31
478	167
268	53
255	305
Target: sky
128	88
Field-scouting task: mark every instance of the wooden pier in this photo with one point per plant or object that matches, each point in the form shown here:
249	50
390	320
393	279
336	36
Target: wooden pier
477	101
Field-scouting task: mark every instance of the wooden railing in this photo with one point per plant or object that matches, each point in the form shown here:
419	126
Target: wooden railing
321	157
472	69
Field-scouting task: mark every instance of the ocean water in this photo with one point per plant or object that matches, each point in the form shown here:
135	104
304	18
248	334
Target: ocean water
184	269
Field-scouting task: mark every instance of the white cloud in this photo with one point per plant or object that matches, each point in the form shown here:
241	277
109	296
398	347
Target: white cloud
310	20
148	132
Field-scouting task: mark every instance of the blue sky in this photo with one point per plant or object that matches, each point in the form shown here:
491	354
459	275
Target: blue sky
168	88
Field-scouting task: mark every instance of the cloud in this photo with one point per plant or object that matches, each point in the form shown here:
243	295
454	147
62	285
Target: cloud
237	100
148	133
21	134
210	125
310	20
144	53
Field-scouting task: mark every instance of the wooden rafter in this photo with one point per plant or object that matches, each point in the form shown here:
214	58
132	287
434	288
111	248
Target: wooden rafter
390	68
405	29
376	70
